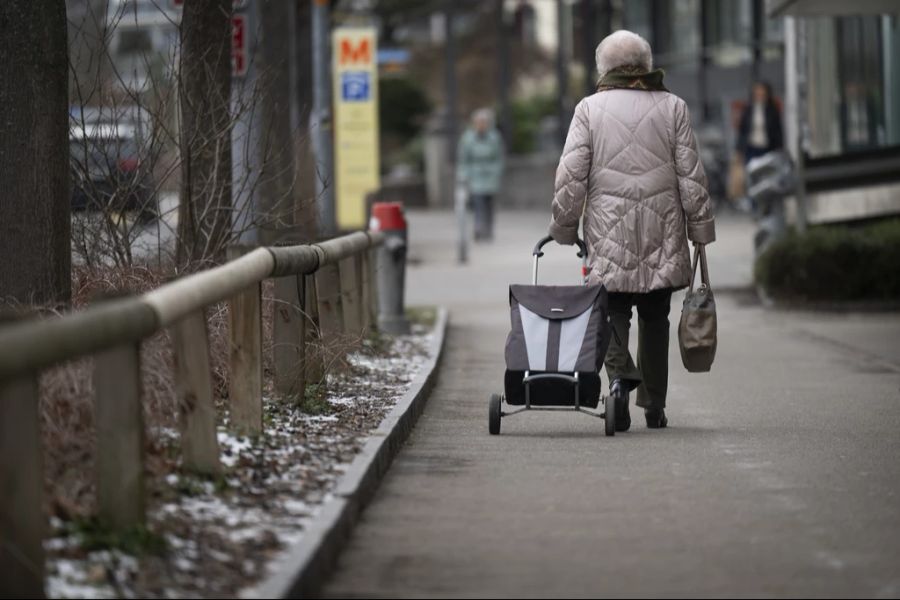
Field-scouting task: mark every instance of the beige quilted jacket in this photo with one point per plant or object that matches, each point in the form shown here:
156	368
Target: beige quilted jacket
631	168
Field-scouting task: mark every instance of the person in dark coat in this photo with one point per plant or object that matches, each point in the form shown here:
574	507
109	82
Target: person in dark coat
759	131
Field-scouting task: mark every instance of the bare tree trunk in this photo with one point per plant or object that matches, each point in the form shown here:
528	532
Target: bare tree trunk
280	118
89	64
204	212
34	153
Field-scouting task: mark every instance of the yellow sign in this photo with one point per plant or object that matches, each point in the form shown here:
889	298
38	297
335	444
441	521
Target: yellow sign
356	155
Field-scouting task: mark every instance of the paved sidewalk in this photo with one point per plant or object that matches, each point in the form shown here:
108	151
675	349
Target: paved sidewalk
778	476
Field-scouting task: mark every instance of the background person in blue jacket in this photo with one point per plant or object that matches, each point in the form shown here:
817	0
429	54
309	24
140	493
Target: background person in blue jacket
480	167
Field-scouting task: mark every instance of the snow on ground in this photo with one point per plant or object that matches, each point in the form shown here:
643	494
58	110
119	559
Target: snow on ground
219	535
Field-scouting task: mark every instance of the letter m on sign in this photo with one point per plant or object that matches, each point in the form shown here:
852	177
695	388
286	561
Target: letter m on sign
361	52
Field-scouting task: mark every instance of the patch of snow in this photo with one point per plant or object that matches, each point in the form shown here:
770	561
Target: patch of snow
319	418
183	564
55	544
344	401
296	507
231	447
273	489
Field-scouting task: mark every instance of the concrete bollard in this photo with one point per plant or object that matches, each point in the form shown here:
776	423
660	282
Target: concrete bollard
388	218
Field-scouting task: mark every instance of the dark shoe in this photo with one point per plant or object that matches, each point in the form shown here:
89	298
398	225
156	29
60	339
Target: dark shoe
623	416
656	418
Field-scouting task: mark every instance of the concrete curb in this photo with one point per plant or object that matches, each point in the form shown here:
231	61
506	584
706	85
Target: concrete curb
303	570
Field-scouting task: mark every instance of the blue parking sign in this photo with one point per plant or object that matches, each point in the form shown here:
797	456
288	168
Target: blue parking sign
355	86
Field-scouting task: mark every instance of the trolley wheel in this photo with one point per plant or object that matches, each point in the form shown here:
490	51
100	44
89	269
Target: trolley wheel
610	403
494	414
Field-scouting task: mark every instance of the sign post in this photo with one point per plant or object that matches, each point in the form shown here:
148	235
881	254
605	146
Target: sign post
238	45
246	126
320	122
356	150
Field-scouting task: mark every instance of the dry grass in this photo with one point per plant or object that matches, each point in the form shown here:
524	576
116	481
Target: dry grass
66	396
66	392
269	483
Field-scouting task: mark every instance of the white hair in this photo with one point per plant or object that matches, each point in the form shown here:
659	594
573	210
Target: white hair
483	113
623	48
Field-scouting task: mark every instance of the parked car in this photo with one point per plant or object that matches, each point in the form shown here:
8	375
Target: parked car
109	172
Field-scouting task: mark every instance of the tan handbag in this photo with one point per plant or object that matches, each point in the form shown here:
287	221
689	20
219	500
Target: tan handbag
697	328
736	178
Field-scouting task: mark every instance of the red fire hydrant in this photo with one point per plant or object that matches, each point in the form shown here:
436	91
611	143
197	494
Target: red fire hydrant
388	218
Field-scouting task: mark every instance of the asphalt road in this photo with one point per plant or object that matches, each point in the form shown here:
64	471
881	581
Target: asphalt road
779	475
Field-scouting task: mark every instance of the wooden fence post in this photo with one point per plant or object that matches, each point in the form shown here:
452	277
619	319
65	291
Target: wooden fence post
289	324
313	352
372	304
21	491
366	287
351	294
120	437
197	412
359	265
328	292
245	379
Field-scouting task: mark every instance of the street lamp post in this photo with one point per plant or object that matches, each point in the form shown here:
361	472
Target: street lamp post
503	73
458	191
320	117
562	71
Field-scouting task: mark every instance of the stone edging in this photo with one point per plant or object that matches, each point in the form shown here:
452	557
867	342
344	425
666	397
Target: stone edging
304	569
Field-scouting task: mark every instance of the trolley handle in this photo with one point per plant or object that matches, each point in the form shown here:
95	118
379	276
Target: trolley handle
538	252
538	248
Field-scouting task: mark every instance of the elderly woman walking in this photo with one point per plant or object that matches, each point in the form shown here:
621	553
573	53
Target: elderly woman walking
630	169
480	167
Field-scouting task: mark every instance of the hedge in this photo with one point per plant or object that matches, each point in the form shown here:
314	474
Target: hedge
834	263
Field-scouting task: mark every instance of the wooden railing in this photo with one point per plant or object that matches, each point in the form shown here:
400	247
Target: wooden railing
325	289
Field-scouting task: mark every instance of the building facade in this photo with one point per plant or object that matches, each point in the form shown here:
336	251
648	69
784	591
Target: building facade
844	101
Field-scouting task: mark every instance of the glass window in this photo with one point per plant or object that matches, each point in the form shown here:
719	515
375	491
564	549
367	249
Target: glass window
673	29
861	82
773	31
890	27
729	30
822	93
773	39
685	35
637	18
853	82
134	41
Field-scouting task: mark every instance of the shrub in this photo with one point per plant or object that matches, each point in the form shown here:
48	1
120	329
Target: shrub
526	120
834	263
403	107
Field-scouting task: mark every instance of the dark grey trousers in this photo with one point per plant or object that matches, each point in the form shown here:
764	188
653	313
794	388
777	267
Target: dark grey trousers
651	374
483	206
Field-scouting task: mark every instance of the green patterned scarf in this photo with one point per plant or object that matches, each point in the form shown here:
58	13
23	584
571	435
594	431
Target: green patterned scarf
632	78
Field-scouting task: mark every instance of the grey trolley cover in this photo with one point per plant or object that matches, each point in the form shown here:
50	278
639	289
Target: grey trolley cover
556	329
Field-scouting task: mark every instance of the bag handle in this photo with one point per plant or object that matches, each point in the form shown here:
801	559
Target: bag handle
700	256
